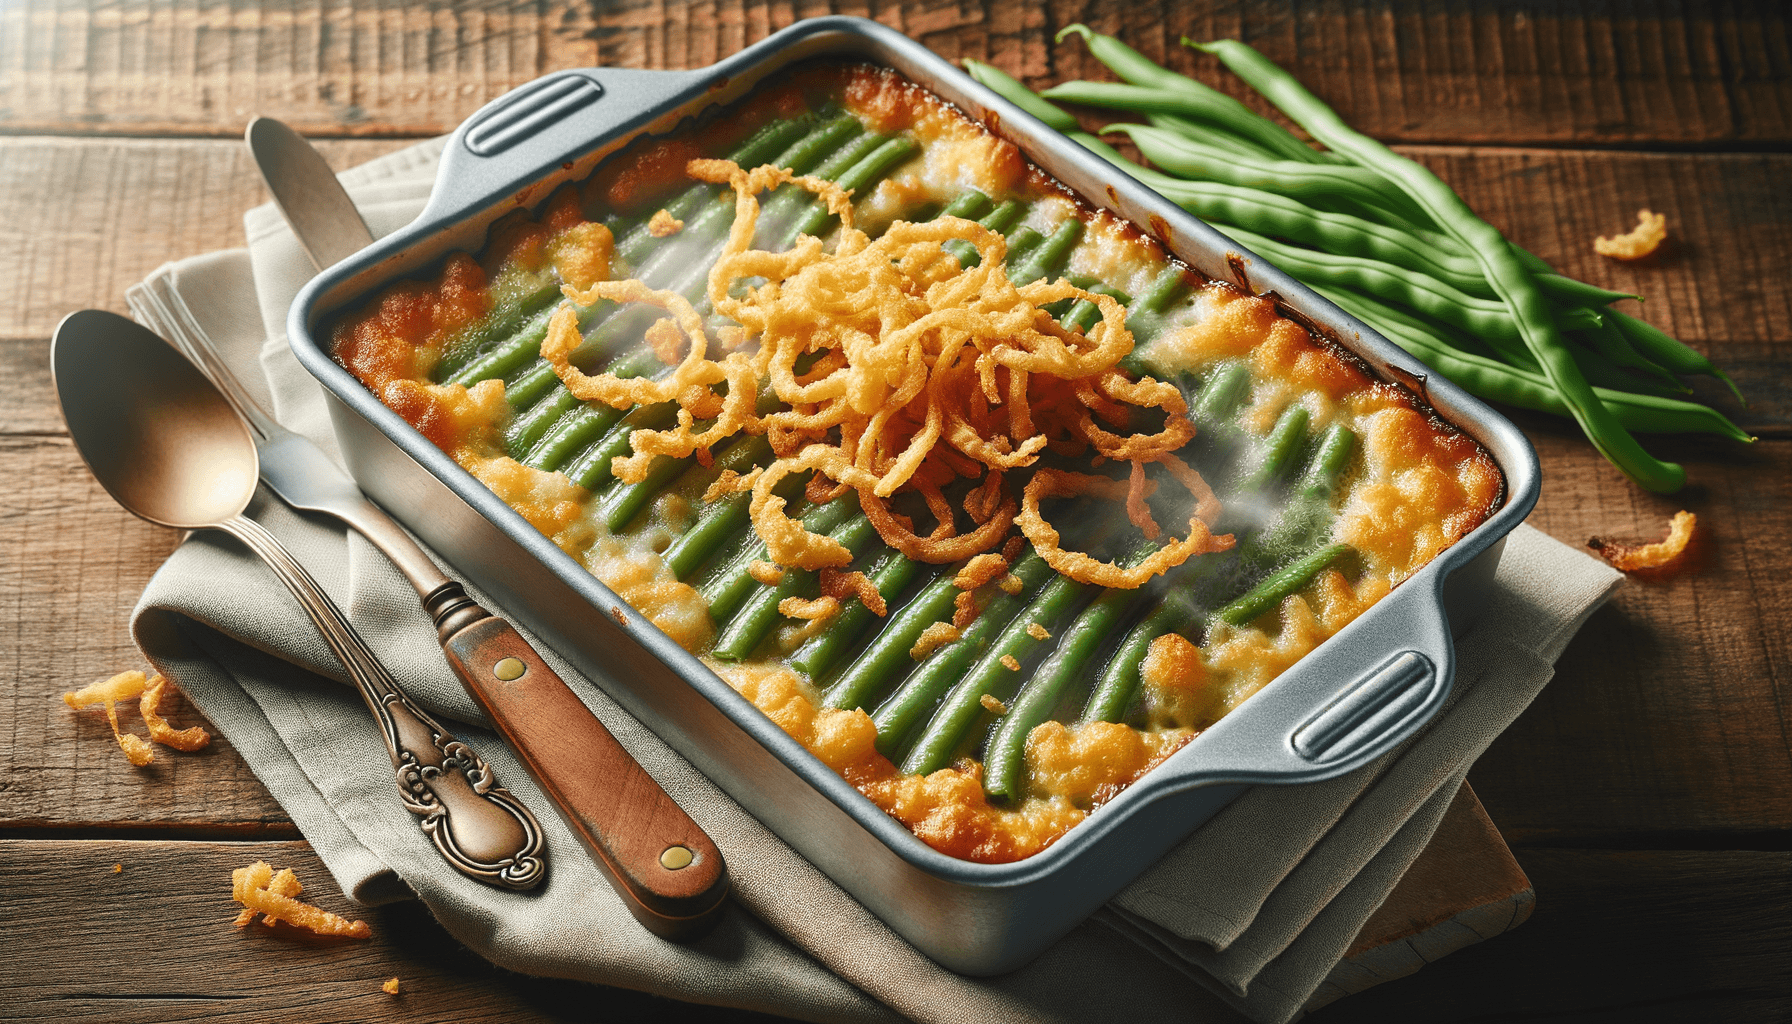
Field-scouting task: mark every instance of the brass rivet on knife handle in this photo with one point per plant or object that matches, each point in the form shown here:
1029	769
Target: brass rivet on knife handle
617	810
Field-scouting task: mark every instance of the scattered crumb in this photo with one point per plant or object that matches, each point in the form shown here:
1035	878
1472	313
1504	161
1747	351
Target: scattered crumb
989	701
1010	583
617	614
1038	632
148	694
118	869
769	573
390	987
662	224
1659	555
932	639
1650	231
262	891
1009	663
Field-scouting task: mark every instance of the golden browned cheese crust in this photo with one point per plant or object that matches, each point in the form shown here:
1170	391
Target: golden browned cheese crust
1419	484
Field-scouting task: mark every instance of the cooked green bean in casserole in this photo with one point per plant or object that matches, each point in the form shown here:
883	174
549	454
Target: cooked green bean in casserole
961	482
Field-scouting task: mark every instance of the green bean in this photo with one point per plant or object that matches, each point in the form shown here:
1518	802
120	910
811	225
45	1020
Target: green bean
962	706
1610	342
722	520
725	591
1210	135
1010	89
756	619
756	149
1222	394
588	421
1157	294
1001	220
790	200
1269	593
1285	438
524	431
1119	679
1337	182
509	317
501	360
1498	382
1048	255
1181	94
1323	474
872	167
1511	279
621	502
1022	241
591	468
916	698
1004	759
1084	314
890	574
1670	352
888	651
1487	320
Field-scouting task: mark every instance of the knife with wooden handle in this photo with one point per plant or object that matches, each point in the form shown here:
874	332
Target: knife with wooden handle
668	871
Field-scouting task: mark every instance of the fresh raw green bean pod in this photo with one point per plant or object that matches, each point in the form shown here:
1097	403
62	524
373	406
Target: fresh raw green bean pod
922	691
1669	351
1189	114
1511	278
1210	135
1498	382
747	628
1011	89
1320	182
1609	341
1203	101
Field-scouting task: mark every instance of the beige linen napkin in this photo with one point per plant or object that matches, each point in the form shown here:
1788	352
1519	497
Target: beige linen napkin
1254	910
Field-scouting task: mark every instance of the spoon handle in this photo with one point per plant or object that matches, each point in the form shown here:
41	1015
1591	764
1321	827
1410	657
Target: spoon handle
482	830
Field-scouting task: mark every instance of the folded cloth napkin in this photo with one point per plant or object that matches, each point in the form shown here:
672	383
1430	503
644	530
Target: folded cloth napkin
1250	914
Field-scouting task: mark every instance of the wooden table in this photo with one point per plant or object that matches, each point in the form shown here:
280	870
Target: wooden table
1648	792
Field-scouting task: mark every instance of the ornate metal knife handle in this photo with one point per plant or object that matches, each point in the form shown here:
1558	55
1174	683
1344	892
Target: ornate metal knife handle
482	830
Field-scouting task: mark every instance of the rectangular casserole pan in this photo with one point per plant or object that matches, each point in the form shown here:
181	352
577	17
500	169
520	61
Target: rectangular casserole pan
1362	692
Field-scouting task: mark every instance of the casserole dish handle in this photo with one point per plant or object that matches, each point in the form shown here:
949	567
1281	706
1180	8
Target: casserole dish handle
1381	680
556	119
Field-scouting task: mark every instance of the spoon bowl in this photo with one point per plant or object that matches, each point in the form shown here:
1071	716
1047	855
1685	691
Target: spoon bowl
156	434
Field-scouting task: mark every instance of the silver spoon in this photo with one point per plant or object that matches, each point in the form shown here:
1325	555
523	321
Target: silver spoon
170	449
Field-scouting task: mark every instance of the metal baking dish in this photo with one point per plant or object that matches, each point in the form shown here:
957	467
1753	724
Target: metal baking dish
1362	692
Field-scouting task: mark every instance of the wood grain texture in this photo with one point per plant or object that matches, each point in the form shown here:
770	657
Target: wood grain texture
1617	938
71	565
155	943
83	219
1655	74
1668	720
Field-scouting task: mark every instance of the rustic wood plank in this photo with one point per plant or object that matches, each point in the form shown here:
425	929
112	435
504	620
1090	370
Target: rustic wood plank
154	942
1618	938
80	221
1660	74
71	565
1669	716
83	219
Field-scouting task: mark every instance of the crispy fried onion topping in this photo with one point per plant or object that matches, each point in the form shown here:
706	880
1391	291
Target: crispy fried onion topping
1047	483
915	371
1660	555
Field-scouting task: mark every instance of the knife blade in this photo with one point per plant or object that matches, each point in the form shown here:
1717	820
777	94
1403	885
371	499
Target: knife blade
306	191
668	870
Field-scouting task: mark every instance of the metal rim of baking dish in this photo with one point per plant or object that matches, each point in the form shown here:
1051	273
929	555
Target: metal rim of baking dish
1396	660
